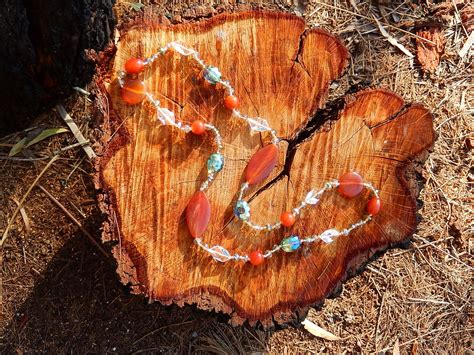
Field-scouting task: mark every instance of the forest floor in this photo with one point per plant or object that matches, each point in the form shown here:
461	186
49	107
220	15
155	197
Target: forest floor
61	293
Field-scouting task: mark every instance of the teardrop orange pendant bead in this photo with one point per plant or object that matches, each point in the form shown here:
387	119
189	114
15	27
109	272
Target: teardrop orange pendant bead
198	213
133	91
261	164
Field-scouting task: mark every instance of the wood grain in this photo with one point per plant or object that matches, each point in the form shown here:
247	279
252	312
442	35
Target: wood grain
281	71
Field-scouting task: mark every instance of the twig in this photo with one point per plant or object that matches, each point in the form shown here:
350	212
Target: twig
423	300
378	322
55	153
22	201
64	209
23	214
75	130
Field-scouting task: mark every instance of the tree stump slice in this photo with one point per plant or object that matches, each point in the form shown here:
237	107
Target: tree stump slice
281	71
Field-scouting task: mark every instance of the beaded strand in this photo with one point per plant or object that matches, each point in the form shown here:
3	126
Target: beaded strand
259	167
293	242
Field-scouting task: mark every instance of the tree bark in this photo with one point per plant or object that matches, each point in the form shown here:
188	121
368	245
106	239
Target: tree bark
281	71
43	53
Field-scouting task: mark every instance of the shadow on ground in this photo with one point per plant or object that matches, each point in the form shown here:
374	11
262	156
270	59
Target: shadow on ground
80	306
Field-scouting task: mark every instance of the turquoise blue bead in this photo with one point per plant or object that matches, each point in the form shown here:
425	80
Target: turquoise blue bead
291	243
215	163
242	210
212	75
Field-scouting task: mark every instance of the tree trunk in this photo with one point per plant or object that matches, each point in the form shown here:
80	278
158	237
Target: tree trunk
281	71
43	53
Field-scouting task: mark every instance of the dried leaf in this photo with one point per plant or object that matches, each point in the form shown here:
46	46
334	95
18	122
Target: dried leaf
136	6
392	40
17	147
318	331
45	134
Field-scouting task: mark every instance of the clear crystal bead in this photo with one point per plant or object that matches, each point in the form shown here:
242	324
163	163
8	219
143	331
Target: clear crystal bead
311	198
212	75
178	47
258	125
165	116
329	235
220	254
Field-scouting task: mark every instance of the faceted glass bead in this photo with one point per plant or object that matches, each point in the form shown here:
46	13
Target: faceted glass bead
291	243
212	75
198	213
350	184
258	125
311	198
329	235
178	47
165	116
373	206
261	164
215	163
220	254
242	210
133	91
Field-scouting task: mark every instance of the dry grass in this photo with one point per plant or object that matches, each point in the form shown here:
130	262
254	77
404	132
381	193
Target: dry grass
60	294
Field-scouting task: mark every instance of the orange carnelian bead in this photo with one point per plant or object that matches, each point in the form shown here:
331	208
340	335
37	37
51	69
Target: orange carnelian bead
373	206
350	184
231	102
287	219
133	91
197	127
198	213
256	257
134	66
261	164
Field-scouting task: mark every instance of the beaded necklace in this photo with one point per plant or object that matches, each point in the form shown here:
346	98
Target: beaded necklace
198	210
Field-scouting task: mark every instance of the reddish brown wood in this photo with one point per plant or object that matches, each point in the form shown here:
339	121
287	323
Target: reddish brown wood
281	71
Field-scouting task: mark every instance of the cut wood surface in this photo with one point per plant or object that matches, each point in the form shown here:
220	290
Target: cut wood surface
281	72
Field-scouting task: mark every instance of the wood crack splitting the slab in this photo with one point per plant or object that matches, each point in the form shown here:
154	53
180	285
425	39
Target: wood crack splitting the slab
298	60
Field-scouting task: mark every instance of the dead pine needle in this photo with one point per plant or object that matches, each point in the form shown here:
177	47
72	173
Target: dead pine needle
24	216
72	218
22	201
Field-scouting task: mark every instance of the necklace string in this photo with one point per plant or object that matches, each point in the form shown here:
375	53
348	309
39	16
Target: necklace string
260	166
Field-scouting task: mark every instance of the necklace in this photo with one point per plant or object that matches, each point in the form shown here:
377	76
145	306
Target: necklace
260	166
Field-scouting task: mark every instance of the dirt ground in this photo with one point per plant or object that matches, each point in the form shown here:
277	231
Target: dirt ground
60	293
